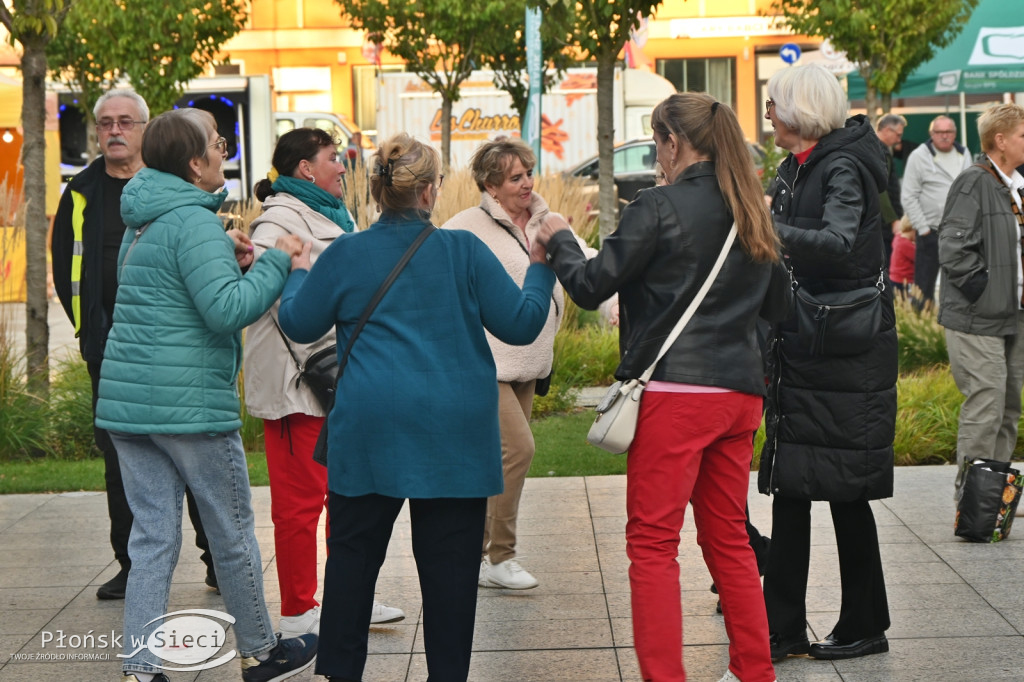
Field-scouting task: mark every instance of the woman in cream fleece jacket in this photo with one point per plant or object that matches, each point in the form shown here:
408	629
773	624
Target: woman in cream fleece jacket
508	218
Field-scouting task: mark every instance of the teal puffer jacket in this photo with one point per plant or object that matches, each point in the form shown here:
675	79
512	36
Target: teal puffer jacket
172	358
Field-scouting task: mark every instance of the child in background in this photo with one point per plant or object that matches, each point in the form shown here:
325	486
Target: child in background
901	268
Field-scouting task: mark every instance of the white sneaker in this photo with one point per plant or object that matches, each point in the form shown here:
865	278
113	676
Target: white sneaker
383	613
302	624
510	575
730	677
485	565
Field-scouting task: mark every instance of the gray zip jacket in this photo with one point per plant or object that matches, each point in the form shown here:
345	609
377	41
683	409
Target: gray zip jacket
978	254
926	185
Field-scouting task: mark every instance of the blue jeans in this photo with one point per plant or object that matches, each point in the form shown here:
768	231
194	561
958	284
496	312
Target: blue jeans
156	468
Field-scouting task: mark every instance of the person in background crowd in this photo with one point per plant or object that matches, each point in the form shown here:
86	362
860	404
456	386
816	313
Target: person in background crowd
830	421
890	132
302	196
87	234
982	298
901	266
417	415
507	220
931	169
168	390
657	260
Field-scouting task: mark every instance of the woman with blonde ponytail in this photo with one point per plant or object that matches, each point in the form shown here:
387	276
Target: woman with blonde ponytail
417	411
704	400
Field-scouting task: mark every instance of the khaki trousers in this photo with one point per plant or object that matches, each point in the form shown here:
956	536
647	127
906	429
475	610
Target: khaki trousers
515	403
989	371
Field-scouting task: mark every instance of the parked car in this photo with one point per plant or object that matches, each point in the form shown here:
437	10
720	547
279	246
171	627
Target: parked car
634	168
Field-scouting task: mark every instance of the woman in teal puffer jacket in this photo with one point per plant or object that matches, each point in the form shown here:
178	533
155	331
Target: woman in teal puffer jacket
168	392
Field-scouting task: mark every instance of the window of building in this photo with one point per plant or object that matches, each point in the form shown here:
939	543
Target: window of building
715	76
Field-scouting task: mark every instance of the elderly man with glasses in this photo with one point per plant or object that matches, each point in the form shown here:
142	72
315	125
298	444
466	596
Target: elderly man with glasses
87	233
931	169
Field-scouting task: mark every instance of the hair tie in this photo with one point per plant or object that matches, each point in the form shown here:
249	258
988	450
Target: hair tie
272	175
386	171
714	108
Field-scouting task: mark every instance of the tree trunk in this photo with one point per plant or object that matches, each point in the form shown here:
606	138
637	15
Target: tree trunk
446	131
886	102
33	154
605	143
871	102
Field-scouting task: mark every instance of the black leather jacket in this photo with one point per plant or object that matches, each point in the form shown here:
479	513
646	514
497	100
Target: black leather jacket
666	244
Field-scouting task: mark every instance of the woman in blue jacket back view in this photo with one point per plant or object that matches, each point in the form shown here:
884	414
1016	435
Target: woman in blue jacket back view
417	410
168	392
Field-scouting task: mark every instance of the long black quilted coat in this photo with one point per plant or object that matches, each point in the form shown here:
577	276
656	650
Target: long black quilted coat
831	420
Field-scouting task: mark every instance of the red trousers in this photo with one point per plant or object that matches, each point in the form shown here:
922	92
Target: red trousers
693	447
298	493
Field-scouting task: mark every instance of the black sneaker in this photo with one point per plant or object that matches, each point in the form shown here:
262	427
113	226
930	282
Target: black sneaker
211	579
290	657
115	587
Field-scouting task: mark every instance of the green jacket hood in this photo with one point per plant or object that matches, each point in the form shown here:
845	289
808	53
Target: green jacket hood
152	193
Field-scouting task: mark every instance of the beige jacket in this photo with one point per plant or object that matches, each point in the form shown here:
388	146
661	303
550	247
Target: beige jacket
492	225
272	390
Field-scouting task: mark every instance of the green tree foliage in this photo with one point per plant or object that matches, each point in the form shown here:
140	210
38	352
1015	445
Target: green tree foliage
887	38
33	24
440	40
506	55
600	29
158	45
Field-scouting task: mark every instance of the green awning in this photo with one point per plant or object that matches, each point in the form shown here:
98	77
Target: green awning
987	57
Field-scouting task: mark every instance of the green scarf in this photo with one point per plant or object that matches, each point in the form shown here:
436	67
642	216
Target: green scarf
317	199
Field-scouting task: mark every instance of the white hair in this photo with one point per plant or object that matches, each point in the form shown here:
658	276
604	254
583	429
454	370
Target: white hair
809	100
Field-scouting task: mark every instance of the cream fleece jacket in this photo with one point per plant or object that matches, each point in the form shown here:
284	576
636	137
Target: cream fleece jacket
494	227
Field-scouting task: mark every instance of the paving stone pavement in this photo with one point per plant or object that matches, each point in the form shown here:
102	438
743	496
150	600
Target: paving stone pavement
956	611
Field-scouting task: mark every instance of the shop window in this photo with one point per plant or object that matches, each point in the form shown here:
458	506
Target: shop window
715	76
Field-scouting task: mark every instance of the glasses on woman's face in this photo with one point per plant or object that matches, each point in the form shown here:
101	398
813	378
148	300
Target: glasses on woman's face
440	180
221	144
768	104
125	123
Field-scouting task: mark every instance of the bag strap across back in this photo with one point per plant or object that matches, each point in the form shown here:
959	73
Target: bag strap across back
694	304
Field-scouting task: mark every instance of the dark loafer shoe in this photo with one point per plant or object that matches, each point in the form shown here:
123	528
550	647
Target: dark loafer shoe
784	647
831	649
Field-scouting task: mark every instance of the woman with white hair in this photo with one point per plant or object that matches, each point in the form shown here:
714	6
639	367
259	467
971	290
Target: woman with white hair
830	417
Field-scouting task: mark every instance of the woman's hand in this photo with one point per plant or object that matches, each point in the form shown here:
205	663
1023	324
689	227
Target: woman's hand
301	261
538	252
551	225
243	248
290	244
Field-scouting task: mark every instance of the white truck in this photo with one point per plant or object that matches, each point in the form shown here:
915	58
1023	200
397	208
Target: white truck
405	103
241	106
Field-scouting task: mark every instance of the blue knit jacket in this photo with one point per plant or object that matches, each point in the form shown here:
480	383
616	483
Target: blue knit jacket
173	354
417	408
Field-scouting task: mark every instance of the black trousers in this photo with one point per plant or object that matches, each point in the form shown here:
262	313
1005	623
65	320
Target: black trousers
864	610
446	538
926	265
120	513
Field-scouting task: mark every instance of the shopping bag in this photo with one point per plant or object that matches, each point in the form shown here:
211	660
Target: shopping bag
989	501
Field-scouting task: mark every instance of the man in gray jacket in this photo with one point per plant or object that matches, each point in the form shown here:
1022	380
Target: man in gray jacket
930	171
981	298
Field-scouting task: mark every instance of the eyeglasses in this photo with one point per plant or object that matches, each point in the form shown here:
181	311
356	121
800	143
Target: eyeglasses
943	132
124	123
221	144
440	180
768	104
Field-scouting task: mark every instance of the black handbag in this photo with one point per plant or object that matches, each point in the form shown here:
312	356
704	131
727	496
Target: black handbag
988	503
839	323
320	449
318	371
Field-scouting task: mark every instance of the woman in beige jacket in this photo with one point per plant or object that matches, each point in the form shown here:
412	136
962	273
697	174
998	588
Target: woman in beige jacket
301	196
508	218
